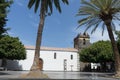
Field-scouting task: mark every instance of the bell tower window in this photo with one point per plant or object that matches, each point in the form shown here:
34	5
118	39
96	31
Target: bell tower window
84	41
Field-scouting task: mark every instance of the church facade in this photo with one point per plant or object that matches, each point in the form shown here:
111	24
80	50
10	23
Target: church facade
54	59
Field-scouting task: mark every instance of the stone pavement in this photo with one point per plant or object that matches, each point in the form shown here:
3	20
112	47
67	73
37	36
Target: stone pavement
13	75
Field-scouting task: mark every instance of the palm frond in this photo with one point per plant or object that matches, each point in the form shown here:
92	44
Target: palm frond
102	4
113	26
117	17
89	4
84	21
108	4
37	5
94	29
91	23
88	10
116	4
49	4
97	3
65	1
93	9
57	5
31	3
103	28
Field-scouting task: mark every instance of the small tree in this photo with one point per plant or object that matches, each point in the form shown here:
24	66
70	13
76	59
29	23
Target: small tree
11	48
99	52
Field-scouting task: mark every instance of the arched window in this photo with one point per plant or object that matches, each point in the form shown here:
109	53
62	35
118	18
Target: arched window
55	55
71	57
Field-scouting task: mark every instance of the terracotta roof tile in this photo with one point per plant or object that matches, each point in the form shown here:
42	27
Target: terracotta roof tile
53	48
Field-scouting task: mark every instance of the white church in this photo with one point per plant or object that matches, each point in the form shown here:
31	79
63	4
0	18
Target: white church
54	59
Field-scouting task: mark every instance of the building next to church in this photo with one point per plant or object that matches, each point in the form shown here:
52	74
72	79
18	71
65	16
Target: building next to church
54	59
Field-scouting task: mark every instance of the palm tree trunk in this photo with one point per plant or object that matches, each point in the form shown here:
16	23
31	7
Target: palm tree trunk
114	47
36	63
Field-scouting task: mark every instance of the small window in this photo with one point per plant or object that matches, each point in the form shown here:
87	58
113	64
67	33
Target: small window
55	55
71	57
84	41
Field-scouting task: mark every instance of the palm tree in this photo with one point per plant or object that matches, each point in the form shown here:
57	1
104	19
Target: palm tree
101	13
46	8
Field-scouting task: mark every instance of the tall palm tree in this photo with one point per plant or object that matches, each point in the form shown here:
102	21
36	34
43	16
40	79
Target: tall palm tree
46	8
101	13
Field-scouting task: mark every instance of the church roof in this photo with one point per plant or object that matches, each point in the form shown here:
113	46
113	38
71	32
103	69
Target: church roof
53	49
84	35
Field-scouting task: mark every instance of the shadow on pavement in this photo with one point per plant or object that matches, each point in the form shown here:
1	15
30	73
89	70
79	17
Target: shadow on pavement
2	73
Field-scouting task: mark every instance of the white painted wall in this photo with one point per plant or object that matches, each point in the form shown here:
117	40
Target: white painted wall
27	63
50	64
58	64
21	64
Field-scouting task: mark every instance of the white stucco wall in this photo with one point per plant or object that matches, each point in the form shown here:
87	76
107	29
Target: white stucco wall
50	64
58	64
27	63
21	64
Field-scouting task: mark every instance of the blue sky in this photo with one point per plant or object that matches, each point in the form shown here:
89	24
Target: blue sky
59	29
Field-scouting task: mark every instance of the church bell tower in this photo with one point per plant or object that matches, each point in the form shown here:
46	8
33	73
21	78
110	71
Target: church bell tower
81	41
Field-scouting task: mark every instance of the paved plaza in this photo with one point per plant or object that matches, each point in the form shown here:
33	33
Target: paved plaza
13	75
80	75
